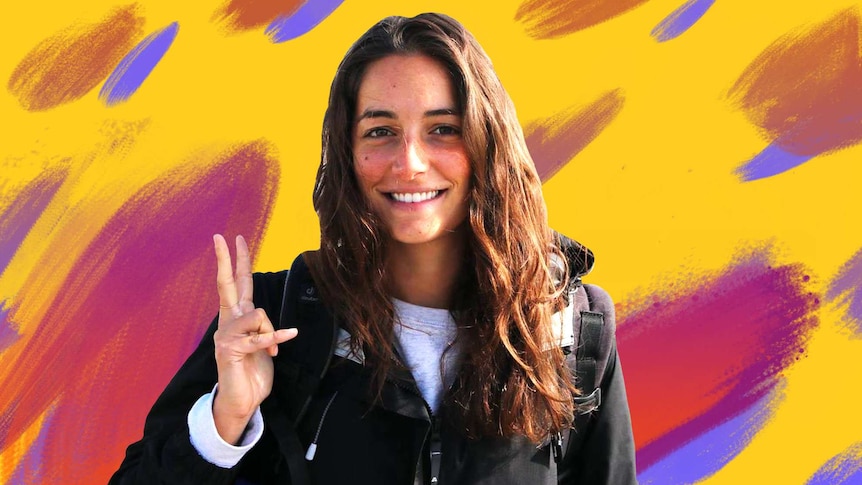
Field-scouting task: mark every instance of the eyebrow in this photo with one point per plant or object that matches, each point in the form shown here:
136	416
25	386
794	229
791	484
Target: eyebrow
379	113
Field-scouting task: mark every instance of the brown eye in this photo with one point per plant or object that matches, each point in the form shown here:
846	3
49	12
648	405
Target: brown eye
378	132
446	130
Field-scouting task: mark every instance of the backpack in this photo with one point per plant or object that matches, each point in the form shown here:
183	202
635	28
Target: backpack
587	340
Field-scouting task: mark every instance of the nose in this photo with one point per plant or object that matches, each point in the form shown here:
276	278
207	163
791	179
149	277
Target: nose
412	159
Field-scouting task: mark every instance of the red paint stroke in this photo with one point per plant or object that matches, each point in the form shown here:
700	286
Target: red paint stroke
67	65
133	307
804	91
19	211
706	349
556	140
549	19
241	15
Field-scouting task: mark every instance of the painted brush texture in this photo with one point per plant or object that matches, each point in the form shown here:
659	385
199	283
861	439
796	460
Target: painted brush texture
128	76
241	15
709	452
680	20
846	289
550	19
67	65
804	91
312	13
555	141
708	349
133	307
19	211
773	160
8	335
844	468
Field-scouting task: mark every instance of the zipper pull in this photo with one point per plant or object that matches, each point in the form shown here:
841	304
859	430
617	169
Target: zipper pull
435	447
557	447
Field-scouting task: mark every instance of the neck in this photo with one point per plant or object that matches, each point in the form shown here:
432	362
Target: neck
426	274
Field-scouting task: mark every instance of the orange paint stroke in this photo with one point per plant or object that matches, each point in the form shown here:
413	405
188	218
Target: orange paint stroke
804	91
549	19
67	65
240	15
553	142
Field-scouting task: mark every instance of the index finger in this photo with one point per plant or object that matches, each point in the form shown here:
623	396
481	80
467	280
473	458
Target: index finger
228	297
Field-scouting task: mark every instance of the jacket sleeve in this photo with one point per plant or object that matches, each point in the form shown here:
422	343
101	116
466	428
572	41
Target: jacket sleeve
165	454
607	452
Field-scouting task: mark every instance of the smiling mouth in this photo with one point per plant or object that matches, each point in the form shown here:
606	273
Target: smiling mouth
414	197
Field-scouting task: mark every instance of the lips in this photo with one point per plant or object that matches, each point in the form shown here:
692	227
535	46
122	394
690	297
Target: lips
414	197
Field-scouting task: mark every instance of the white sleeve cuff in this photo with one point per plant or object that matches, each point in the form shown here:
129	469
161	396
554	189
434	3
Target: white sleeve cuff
208	443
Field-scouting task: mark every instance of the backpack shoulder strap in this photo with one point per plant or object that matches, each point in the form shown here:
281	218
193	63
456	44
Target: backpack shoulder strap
303	361
594	322
594	325
300	365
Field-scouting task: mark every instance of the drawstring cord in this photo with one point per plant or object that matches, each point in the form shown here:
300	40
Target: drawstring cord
312	448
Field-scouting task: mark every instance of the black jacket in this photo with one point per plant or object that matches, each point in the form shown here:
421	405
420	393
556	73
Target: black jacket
361	443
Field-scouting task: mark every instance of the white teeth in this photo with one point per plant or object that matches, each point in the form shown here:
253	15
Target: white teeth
412	198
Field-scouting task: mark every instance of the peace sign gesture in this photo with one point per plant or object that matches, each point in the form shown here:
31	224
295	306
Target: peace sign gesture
245	343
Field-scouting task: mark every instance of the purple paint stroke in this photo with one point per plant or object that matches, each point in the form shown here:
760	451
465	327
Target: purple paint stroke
131	72
846	289
30	469
709	452
844	468
773	160
8	335
18	218
680	20
308	16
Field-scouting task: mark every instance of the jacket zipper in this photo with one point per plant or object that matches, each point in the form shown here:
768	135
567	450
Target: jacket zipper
435	451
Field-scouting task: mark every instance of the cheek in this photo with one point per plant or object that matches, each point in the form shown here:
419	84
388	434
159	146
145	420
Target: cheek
458	168
368	168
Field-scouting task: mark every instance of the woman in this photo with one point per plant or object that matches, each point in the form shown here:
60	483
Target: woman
443	277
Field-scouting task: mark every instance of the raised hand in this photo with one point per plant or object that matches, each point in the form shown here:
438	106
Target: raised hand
245	344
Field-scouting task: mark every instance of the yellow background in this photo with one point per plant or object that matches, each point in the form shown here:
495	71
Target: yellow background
654	195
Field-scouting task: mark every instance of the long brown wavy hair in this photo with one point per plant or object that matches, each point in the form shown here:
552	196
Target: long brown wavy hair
517	382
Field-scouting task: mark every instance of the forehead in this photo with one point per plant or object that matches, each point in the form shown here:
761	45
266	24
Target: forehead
405	81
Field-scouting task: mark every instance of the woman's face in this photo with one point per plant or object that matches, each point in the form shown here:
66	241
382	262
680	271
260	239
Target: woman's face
408	151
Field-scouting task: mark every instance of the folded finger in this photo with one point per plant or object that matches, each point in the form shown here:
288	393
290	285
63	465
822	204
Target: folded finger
264	341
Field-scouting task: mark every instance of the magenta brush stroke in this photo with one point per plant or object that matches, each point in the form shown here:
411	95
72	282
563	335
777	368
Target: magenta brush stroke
715	349
306	18
134	69
844	468
156	283
846	289
680	20
709	452
773	160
